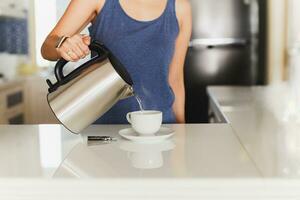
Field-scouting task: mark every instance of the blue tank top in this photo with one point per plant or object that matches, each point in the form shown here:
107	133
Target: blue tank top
146	49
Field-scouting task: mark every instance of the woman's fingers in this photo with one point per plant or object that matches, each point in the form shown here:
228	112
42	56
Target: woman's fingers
75	48
68	54
86	40
66	57
80	44
63	54
85	49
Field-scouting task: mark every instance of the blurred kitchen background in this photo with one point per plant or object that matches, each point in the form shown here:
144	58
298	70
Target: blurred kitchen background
234	42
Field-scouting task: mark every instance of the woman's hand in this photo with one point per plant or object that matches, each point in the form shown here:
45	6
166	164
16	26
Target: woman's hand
77	16
75	48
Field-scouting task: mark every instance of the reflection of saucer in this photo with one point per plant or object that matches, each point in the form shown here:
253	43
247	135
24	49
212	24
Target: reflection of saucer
140	148
163	134
145	155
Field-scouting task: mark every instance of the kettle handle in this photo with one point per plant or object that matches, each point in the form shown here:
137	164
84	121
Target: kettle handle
95	46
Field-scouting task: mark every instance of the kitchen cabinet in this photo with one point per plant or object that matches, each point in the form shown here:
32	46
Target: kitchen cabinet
16	116
214	112
2	107
1	101
23	101
37	108
12	106
2	121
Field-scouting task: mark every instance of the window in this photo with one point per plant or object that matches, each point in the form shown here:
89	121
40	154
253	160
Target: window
45	17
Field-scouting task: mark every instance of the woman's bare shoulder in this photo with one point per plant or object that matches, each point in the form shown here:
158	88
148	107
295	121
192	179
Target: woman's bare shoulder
183	9
100	4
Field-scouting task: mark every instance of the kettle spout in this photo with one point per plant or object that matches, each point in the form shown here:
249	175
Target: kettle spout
127	92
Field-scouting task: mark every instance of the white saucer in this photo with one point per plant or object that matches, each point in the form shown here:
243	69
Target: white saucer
163	134
165	145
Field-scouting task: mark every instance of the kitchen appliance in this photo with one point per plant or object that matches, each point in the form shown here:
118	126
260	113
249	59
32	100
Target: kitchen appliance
81	97
227	48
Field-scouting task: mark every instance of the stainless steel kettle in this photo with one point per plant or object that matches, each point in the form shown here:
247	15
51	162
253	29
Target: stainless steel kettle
81	97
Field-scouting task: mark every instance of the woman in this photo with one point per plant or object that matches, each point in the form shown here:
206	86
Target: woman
150	38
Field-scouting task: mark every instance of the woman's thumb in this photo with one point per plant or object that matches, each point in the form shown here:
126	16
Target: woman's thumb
86	40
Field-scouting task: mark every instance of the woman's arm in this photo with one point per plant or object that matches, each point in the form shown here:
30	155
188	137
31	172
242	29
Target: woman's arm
77	16
176	73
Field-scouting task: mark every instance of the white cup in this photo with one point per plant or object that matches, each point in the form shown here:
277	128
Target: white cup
145	122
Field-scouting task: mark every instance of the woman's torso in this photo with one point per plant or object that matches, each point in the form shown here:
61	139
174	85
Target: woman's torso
146	49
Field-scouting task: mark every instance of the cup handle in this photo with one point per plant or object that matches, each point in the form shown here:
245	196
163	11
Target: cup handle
128	117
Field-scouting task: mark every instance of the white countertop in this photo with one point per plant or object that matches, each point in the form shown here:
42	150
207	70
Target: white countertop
256	143
196	151
238	160
207	162
258	116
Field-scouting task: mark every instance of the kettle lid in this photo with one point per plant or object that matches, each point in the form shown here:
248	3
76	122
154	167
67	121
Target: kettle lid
120	69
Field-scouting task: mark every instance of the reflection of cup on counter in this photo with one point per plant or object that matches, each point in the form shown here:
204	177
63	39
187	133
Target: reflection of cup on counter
146	160
146	156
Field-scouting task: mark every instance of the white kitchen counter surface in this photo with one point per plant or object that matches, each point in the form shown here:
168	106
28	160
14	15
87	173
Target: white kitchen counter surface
245	159
258	116
196	151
